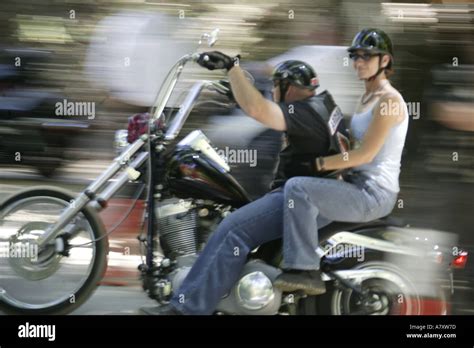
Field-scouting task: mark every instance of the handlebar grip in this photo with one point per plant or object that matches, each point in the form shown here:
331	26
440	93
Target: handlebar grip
200	56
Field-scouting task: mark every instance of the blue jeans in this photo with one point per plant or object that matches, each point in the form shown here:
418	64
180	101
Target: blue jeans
219	265
307	198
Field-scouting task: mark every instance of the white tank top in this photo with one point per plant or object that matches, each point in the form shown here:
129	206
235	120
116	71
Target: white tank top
385	167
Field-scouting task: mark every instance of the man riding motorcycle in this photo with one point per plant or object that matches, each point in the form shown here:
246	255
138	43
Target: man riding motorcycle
313	125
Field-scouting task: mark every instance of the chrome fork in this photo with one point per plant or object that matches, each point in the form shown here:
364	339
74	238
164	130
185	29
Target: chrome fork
90	193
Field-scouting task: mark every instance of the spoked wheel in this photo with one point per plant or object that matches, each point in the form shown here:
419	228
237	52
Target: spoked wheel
391	295
40	280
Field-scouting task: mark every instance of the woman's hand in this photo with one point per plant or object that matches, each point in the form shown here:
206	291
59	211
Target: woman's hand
389	111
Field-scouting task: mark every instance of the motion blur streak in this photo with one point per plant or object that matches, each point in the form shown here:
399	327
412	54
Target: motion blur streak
113	55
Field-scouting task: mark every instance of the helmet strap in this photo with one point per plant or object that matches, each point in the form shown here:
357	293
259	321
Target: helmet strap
284	85
378	71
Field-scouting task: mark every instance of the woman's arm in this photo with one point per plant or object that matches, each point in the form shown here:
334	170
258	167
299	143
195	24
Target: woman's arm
388	112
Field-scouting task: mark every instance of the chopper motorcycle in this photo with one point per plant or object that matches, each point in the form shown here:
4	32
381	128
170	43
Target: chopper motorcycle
189	190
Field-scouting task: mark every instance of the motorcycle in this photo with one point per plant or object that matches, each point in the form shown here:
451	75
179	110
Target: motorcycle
189	190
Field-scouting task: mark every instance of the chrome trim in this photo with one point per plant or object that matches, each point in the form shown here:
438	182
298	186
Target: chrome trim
121	180
185	110
188	105
169	84
359	275
366	242
198	141
80	202
173	208
120	140
249	283
218	87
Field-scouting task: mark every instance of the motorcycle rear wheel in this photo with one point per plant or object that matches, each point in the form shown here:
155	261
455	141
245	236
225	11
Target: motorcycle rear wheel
396	299
21	291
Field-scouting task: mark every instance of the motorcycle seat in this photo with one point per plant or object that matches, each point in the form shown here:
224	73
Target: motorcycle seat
338	226
267	250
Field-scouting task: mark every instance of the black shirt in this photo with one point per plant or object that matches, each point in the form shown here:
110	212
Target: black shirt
306	137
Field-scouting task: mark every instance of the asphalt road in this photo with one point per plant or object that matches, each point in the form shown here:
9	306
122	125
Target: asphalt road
116	300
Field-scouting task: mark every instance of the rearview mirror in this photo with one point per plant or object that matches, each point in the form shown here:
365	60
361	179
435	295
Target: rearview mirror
211	38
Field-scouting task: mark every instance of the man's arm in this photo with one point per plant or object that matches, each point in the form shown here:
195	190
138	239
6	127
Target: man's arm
253	103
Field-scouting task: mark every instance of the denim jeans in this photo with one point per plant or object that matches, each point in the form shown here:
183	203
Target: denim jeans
359	199
219	265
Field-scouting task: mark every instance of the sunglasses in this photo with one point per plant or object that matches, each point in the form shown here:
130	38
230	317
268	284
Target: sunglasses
365	56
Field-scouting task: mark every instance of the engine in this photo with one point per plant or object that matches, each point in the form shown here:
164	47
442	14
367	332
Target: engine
183	229
253	294
185	225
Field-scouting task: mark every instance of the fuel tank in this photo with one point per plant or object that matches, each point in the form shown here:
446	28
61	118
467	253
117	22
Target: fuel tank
196	170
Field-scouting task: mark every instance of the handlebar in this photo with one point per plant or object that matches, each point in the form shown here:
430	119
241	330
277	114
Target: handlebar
167	88
222	86
169	84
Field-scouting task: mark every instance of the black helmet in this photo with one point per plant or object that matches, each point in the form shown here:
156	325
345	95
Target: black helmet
372	40
375	41
297	73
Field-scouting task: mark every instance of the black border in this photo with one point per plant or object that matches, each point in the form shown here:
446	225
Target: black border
138	331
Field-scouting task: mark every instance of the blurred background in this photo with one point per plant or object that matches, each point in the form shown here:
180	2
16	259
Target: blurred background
110	56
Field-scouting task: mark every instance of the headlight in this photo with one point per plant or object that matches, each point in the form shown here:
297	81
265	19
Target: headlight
255	290
120	142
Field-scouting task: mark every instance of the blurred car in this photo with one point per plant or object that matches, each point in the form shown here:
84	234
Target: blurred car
31	133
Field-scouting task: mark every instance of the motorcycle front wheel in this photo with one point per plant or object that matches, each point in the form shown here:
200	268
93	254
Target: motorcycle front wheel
42	281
